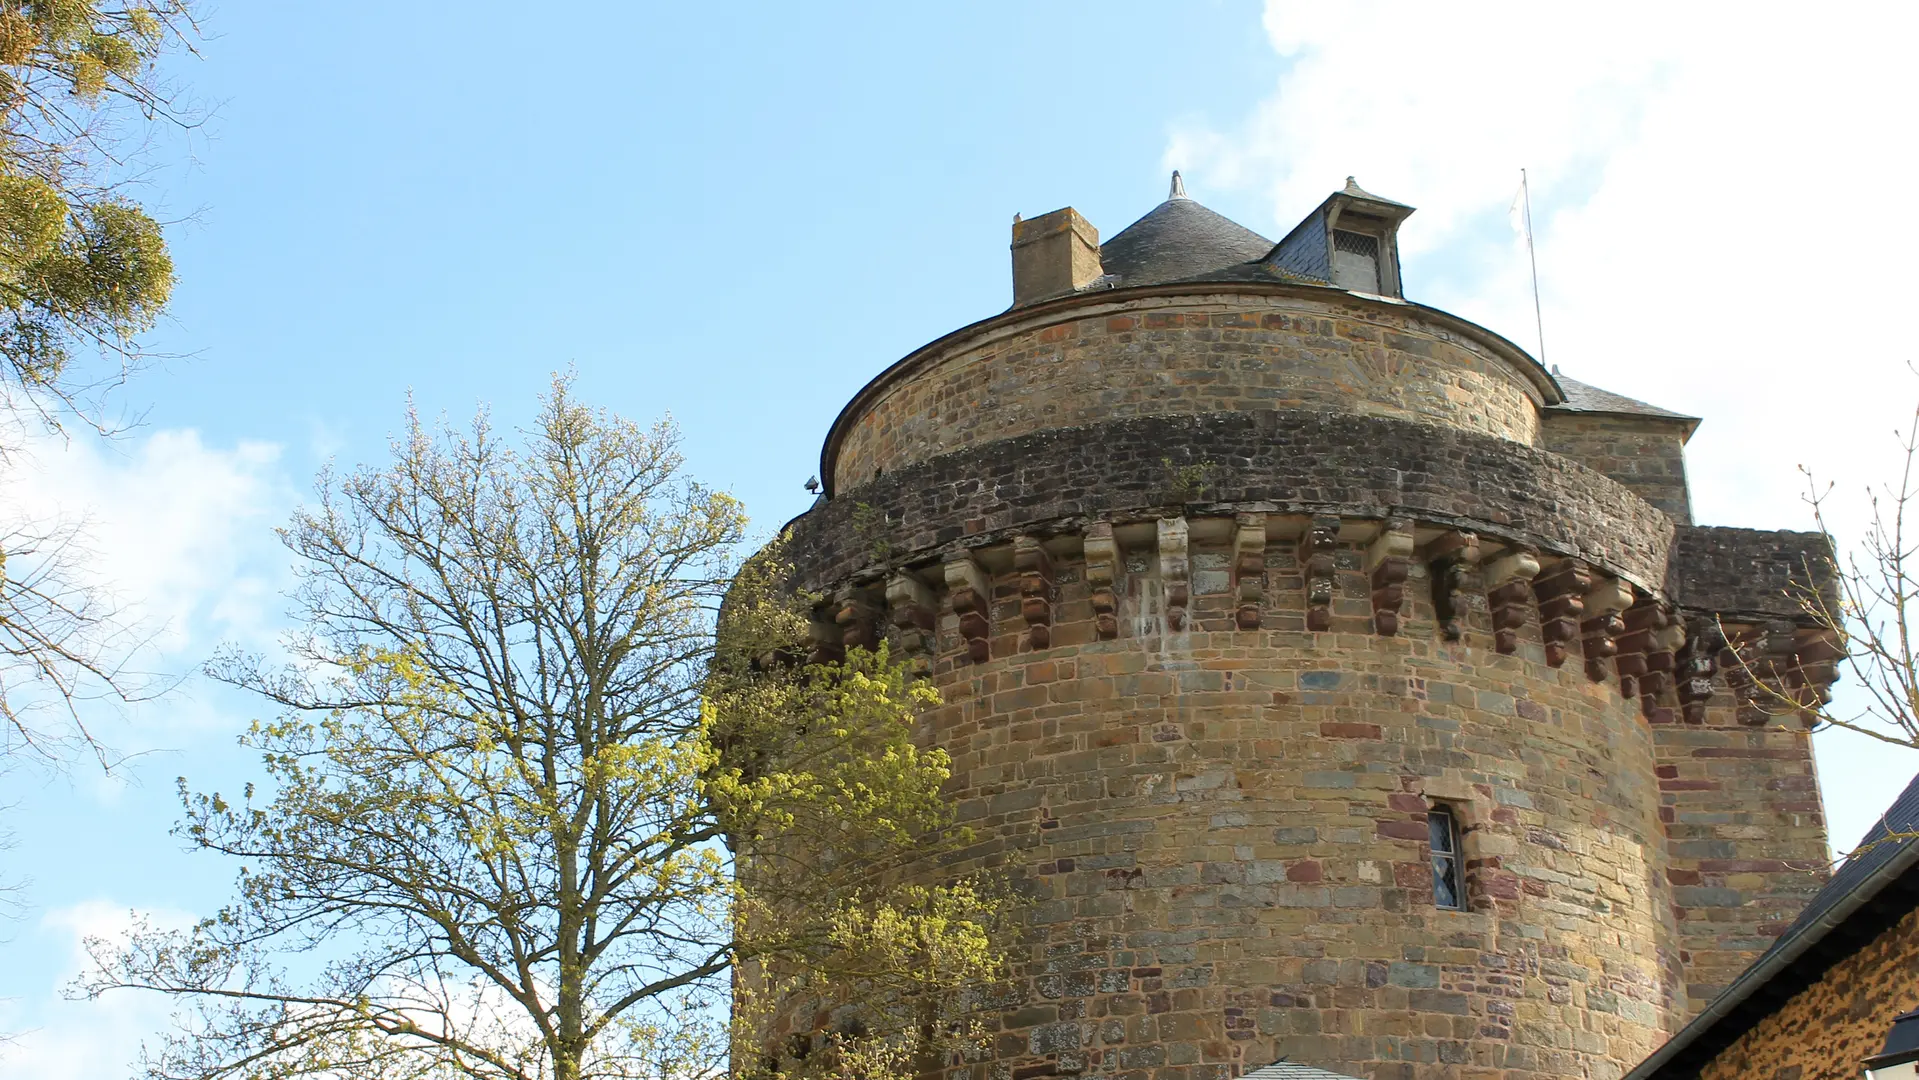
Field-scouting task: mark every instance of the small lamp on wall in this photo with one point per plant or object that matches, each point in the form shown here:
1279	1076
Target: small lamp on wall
1900	1059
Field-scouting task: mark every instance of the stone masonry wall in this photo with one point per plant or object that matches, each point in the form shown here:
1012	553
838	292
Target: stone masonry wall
1829	1028
1182	355
1223	834
1747	838
1647	454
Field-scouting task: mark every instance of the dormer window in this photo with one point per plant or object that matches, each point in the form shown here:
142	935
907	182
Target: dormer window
1350	243
1356	261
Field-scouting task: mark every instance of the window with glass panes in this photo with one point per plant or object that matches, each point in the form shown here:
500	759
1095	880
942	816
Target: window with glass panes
1448	883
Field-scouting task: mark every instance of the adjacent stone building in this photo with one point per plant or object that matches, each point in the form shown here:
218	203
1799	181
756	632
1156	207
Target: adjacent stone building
1337	683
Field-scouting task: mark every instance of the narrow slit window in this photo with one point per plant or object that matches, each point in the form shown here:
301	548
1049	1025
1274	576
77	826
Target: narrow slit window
1356	261
1448	884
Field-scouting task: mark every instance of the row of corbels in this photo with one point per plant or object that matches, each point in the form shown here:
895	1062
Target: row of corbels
1617	630
1773	670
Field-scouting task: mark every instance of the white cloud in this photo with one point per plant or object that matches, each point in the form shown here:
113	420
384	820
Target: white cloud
172	524
57	1039
1715	208
178	532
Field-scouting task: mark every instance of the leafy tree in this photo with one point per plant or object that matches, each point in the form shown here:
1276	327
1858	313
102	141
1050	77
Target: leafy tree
82	265
537	797
84	270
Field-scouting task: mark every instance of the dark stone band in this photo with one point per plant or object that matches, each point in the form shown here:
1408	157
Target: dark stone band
1297	462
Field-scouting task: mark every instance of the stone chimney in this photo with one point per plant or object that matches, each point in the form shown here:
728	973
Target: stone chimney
1053	255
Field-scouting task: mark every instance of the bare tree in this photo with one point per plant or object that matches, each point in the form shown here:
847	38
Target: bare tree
1861	607
63	644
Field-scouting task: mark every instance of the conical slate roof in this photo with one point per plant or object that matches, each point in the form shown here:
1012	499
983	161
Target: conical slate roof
1179	240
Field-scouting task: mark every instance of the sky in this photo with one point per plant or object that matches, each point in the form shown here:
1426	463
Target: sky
737	214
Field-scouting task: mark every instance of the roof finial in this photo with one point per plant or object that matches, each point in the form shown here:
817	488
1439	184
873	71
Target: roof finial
1178	190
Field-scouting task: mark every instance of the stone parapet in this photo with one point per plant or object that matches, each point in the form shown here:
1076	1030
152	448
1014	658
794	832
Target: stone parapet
1750	575
1285	462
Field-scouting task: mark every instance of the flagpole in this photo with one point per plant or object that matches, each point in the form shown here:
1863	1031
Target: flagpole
1539	322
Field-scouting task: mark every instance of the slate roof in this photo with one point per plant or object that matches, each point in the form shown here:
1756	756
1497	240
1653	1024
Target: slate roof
1873	889
1179	240
1590	399
1292	1070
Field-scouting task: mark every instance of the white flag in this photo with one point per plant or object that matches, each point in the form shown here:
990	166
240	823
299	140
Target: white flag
1516	213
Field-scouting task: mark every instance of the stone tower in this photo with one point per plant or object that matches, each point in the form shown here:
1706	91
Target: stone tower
1337	683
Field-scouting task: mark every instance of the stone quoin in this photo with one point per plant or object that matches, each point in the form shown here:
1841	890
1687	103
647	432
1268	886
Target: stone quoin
1231	565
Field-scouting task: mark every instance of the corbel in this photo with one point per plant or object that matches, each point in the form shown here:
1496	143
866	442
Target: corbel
1509	592
1600	631
1175	571
1388	561
1662	665
1788	669
1694	665
1562	603
1768	661
914	612
1818	652
1317	554
969	590
1105	575
1642	620
857	619
1741	659
827	642
1249	569
1035	570
1452	558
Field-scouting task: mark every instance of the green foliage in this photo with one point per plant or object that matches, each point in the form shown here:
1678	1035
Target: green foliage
533	798
82	265
1190	482
870	526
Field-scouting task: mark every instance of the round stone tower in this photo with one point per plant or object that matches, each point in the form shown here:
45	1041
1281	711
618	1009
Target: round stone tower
1334	681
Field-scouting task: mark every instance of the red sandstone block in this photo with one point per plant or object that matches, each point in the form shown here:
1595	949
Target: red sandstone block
1306	870
1352	731
1786	754
1403	830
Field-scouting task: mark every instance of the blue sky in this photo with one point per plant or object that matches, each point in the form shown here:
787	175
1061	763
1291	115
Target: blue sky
739	213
